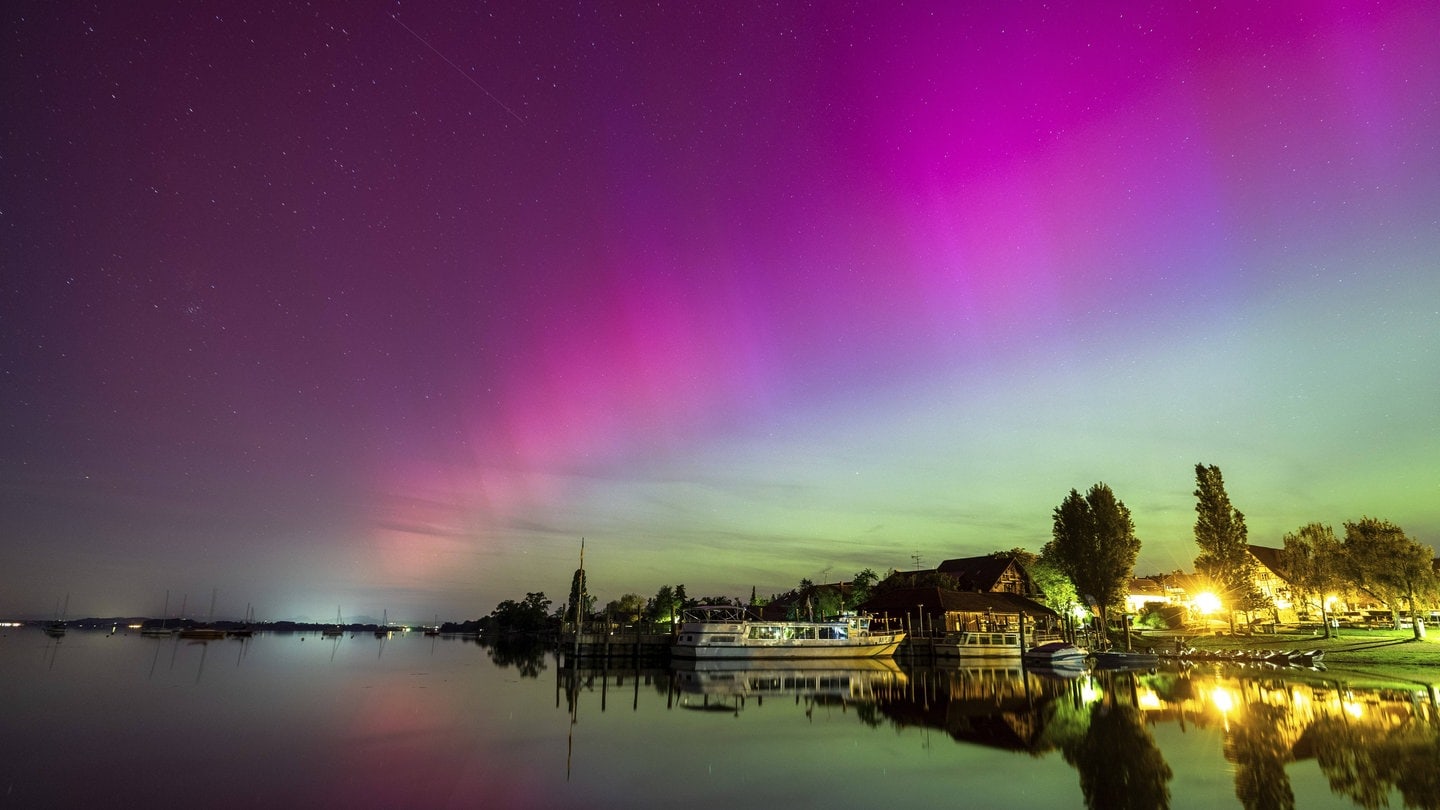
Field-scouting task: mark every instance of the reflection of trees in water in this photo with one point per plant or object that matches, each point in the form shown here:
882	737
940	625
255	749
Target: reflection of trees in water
1259	745
1365	760
1001	708
525	655
1120	765
870	714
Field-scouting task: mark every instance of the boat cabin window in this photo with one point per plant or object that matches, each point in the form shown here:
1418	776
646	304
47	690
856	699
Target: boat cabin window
992	639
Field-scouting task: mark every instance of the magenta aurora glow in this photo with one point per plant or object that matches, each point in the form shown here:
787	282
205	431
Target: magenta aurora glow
388	305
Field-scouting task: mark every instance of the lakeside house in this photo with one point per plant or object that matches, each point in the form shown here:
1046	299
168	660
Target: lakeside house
970	592
934	610
990	592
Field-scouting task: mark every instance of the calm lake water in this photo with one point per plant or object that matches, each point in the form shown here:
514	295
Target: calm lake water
292	720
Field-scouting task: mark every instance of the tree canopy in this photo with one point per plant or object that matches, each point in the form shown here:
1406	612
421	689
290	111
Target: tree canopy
1381	559
529	616
1094	544
1314	566
629	608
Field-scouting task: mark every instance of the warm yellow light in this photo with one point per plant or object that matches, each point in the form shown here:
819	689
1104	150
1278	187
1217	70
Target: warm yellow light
1352	708
1088	692
1147	699
1207	602
1223	700
1079	612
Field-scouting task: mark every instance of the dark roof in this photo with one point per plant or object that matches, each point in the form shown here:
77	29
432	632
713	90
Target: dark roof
939	601
1268	557
1146	586
977	573
1191	584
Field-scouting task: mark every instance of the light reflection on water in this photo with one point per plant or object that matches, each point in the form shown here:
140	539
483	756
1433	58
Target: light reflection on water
285	720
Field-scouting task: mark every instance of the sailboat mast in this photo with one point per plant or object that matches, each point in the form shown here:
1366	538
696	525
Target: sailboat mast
579	600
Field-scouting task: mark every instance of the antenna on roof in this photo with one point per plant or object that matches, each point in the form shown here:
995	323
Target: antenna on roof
916	558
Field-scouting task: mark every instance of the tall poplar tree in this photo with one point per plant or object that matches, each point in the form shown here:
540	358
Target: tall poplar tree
1224	544
1094	544
577	594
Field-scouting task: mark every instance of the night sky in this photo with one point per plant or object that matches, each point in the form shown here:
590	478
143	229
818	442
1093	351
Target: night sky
386	306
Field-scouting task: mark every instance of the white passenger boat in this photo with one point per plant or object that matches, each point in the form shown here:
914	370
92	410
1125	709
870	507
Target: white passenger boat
713	632
980	644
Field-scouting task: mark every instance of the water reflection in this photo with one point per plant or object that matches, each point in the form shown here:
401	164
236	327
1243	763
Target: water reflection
727	685
1376	748
1118	761
526	656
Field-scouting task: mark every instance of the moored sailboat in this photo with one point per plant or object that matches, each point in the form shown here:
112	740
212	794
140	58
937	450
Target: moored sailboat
334	630
161	630
56	627
206	631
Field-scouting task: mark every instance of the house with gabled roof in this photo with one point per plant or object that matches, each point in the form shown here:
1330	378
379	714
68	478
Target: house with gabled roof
936	609
991	573
1144	591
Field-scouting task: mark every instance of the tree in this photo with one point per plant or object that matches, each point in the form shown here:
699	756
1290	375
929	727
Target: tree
861	586
1054	584
627	609
662	606
1314	565
897	580
1380	559
1224	544
1025	557
578	597
529	616
1094	544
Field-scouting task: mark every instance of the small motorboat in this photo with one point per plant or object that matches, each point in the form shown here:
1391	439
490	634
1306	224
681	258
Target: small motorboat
1055	654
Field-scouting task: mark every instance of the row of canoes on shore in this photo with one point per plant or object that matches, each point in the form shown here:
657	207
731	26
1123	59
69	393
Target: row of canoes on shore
1065	655
1303	658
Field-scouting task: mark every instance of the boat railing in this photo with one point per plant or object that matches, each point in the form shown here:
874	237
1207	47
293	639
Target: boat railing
730	614
716	613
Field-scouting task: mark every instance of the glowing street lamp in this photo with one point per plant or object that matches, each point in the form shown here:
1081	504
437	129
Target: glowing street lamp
1207	603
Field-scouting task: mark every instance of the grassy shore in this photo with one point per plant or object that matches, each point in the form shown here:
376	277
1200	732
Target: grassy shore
1377	657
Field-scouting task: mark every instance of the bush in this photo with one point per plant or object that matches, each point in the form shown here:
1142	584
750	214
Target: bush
1161	617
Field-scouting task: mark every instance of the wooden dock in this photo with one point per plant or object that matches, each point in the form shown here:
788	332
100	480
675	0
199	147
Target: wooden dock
618	646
